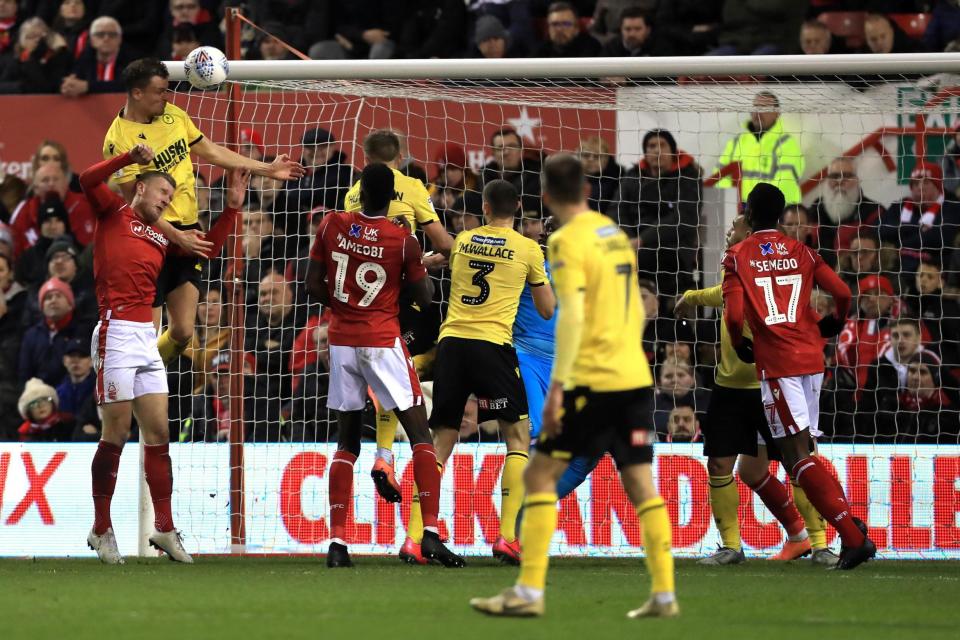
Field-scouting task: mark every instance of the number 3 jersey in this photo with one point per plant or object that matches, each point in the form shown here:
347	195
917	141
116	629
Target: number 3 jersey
367	261
488	268
767	280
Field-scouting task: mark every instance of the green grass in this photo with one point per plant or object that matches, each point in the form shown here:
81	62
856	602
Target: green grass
586	599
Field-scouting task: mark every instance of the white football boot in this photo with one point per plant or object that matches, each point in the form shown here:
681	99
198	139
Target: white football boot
171	544
106	547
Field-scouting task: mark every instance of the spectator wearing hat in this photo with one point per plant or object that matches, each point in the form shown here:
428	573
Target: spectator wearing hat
78	385
44	343
658	206
51	192
329	176
12	301
602	171
97	69
453	176
866	334
211	411
565	38
923	223
841	210
491	40
53	223
42	420
62	263
638	37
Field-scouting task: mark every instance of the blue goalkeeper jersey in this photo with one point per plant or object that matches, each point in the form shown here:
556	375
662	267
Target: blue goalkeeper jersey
531	333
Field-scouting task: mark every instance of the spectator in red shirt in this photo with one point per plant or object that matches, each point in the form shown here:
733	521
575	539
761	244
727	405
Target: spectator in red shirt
50	183
867	334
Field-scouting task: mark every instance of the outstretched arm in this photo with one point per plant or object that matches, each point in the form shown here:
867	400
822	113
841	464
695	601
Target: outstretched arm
93	178
827	279
282	168
226	224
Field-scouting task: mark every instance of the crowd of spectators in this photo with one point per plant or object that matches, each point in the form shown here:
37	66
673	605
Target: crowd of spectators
75	47
891	374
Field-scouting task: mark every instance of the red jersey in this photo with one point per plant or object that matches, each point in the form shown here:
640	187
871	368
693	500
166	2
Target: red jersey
127	255
768	278
26	231
367	260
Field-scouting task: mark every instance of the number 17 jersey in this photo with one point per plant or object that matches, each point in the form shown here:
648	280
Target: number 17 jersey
777	274
367	260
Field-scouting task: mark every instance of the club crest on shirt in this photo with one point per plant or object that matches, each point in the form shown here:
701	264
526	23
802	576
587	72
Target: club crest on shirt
766	248
355	230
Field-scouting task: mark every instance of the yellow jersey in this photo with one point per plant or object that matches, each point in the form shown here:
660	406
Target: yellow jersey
600	318
488	268
732	372
411	201
170	136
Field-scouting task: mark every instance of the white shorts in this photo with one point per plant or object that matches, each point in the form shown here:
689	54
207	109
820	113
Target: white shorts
792	404
126	360
388	371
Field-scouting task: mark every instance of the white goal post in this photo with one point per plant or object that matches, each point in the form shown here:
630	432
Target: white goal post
262	486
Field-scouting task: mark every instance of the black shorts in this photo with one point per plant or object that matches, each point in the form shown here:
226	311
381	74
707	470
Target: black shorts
419	328
489	371
597	422
735	418
176	270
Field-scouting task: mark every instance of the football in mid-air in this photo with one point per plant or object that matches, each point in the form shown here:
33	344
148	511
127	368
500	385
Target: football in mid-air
206	67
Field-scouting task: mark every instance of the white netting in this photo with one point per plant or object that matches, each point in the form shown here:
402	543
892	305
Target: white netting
900	429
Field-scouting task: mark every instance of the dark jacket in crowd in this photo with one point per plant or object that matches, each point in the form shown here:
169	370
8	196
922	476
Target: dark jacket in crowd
42	350
583	46
654	46
675	19
526	180
831	237
918	241
86	66
749	24
604	187
325	186
11	334
73	395
433	29
41	72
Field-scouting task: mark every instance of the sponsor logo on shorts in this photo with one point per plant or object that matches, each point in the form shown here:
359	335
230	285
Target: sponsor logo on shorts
112	391
491	404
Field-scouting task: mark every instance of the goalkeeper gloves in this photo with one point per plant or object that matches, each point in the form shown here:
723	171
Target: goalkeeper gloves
745	350
830	326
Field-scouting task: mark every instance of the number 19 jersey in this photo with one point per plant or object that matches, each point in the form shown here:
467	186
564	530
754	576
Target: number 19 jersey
488	268
367	260
777	274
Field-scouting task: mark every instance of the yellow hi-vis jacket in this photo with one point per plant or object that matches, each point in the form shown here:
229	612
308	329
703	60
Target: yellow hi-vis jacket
774	158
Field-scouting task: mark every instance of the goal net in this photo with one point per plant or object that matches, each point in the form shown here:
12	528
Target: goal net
865	149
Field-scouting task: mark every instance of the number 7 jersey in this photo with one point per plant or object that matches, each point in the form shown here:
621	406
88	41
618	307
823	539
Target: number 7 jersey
367	260
776	275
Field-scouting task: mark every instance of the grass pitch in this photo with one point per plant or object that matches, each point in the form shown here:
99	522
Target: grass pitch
381	598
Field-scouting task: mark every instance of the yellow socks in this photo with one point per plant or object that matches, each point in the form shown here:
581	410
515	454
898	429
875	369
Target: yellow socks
725	501
657	543
539	523
816	527
511	493
386	433
169	349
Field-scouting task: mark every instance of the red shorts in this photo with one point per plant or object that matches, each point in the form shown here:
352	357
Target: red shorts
388	371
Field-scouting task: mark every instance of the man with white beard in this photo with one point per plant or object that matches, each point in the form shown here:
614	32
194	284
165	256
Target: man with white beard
841	209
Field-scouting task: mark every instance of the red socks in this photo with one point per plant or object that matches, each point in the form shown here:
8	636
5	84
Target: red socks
159	473
106	462
427	476
826	495
775	497
341	492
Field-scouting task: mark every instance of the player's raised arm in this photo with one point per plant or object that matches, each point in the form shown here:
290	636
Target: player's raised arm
226	223
93	178
282	168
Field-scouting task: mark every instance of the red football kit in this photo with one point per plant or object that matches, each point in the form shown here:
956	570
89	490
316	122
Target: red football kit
768	279
367	260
